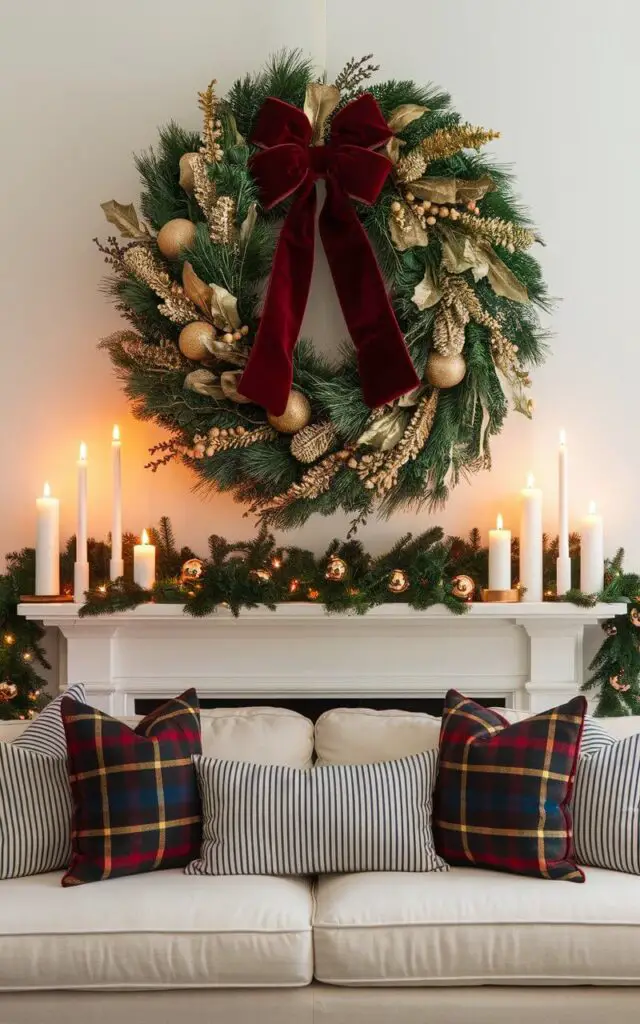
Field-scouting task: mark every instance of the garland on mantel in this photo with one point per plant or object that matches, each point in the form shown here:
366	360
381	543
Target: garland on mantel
417	571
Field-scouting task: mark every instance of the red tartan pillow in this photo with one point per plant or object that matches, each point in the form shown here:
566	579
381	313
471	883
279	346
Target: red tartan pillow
136	805
503	791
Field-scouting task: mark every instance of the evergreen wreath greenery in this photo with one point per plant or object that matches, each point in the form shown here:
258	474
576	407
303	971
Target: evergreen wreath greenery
452	242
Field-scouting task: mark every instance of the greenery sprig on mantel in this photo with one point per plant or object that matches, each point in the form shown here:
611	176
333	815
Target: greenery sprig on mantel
260	572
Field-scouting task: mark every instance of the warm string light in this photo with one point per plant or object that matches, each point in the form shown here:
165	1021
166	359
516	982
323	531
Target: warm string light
276	563
9	639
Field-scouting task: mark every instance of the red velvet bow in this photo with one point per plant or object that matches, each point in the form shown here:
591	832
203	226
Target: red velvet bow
289	165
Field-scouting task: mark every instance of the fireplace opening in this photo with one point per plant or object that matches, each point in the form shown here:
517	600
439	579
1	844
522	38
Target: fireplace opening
313	707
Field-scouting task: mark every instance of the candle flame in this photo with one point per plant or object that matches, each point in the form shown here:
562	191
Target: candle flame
530	480
46	491
145	537
592	508
499	522
115	436
83	452
563	436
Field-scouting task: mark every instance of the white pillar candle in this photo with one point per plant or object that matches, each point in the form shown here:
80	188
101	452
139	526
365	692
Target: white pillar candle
563	563
81	567
592	552
531	542
47	544
144	563
116	565
499	557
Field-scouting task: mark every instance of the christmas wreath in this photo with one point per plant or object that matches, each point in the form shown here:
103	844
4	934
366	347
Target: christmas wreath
428	250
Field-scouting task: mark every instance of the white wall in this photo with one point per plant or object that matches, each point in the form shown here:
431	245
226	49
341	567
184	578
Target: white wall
84	85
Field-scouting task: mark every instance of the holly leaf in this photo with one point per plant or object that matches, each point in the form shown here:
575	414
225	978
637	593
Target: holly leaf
224	309
404	115
125	219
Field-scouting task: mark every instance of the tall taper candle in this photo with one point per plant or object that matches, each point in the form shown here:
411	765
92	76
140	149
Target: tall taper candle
144	563
531	542
591	552
81	567
563	562
47	544
499	557
116	565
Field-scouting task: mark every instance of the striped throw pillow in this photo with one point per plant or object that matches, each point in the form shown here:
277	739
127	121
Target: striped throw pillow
35	796
275	820
606	801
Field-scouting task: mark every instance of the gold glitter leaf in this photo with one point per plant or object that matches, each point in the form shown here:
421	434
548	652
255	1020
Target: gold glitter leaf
125	219
204	382
426	293
195	289
320	101
229	383
404	115
224	309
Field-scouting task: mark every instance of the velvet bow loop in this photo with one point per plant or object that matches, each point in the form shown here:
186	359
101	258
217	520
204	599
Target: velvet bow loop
287	165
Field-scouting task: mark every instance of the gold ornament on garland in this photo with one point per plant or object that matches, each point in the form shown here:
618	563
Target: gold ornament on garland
445	371
174	236
186	171
398	581
296	415
463	587
196	339
615	683
260	574
336	569
192	570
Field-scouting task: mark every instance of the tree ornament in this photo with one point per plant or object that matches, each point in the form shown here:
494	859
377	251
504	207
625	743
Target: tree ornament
7	692
296	415
634	618
610	628
260	574
445	371
336	569
463	587
174	236
616	684
398	581
196	339
192	570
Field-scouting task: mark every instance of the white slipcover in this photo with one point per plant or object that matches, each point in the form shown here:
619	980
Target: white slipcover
163	929
475	927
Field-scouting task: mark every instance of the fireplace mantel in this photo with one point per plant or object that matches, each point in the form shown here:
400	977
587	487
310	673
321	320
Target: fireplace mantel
528	654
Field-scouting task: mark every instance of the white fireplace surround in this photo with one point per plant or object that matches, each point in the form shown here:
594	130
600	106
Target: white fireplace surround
529	654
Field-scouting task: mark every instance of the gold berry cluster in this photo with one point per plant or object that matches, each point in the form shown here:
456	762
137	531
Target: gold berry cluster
206	445
428	213
229	337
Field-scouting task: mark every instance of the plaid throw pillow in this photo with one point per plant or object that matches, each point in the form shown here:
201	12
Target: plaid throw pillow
135	794
503	791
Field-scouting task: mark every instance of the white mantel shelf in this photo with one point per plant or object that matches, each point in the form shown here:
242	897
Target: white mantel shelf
528	653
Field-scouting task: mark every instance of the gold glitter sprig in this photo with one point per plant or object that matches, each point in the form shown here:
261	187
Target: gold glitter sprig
379	470
442	143
127	345
498	231
211	125
176	306
222	221
316	481
203	188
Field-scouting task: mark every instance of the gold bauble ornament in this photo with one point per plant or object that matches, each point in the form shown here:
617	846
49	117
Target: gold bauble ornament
195	340
296	416
7	692
634	617
192	570
174	236
336	569
398	581
445	371
186	172
464	587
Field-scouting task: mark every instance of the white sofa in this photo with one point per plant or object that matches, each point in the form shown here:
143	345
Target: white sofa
441	948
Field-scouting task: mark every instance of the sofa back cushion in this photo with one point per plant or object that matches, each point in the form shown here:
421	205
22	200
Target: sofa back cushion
362	735
263	735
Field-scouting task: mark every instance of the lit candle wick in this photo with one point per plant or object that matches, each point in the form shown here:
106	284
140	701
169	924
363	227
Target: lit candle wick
83	452
145	537
115	436
530	480
592	508
46	491
563	437
499	522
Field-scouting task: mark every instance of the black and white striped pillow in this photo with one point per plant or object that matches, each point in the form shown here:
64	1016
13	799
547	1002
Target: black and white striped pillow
35	796
606	801
275	820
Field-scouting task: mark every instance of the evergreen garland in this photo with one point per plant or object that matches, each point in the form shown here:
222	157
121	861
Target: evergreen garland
259	572
233	249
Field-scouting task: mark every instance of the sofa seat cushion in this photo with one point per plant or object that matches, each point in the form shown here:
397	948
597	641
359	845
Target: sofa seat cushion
471	927
160	930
